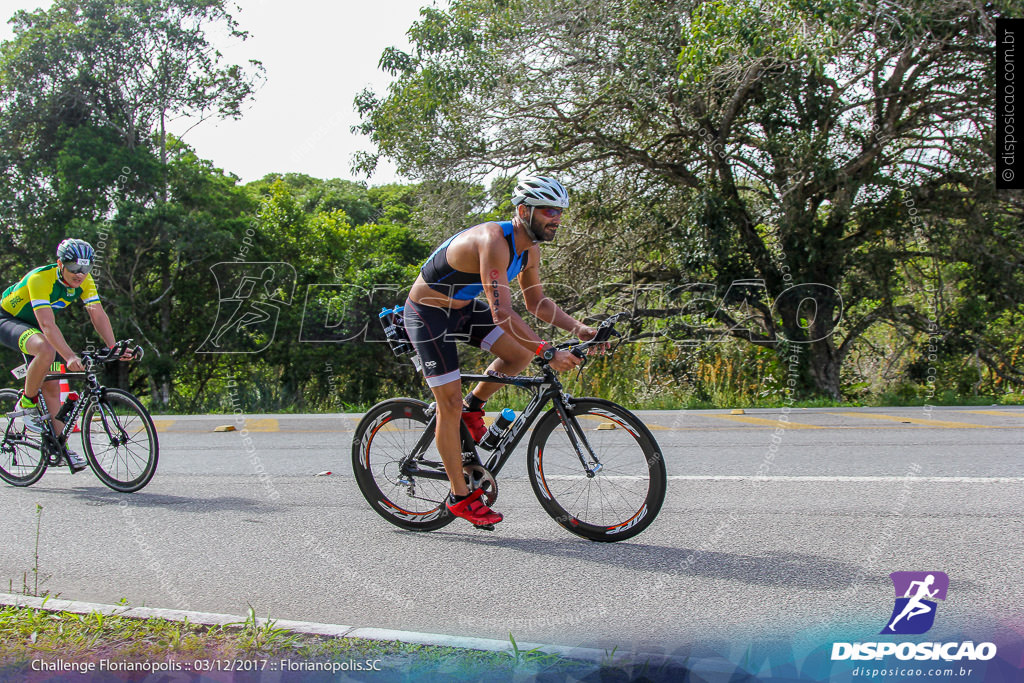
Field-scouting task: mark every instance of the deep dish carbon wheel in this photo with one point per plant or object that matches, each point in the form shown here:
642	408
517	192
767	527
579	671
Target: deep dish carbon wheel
120	441
623	497
22	463
386	436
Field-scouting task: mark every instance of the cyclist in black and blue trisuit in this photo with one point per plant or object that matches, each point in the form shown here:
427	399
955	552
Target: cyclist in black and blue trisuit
443	306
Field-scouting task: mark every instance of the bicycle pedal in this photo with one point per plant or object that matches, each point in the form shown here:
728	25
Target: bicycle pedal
485	527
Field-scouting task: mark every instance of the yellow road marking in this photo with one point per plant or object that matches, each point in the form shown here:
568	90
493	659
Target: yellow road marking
914	420
264	425
163	425
765	423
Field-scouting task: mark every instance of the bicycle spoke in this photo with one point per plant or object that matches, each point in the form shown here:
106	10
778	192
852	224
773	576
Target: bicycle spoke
121	441
384	439
22	463
622	496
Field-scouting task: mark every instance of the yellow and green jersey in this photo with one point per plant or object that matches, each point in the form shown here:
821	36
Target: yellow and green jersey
42	288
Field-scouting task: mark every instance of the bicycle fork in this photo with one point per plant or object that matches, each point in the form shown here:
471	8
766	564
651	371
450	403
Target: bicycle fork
116	433
576	435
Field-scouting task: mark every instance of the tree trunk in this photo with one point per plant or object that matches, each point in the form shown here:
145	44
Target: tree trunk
823	364
812	325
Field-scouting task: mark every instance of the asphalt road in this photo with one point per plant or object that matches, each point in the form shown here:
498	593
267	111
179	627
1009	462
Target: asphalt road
851	495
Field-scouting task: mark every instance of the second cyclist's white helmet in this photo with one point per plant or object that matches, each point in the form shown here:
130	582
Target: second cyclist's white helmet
538	190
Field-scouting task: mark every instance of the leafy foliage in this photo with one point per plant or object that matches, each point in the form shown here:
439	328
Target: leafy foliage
761	175
771	143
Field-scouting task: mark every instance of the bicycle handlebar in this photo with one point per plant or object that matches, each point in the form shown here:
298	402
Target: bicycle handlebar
113	353
605	330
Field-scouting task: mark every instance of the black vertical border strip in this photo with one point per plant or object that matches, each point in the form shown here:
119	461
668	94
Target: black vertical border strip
1009	150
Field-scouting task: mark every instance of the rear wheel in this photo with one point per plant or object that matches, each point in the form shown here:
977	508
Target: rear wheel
120	441
384	439
626	491
22	462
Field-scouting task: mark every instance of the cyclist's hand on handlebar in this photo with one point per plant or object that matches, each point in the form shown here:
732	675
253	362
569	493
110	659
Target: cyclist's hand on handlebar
565	360
74	364
128	354
121	350
586	333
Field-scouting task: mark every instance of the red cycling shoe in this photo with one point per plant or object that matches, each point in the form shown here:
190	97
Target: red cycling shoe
474	420
474	510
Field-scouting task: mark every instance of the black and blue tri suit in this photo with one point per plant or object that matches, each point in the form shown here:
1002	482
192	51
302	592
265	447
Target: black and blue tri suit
433	331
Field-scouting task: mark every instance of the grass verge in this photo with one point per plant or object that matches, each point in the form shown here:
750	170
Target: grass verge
34	640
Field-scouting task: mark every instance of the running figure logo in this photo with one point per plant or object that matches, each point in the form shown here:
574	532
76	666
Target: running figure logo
251	297
916	593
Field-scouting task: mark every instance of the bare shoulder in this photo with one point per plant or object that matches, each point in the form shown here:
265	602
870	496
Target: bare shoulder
467	250
490	231
486	236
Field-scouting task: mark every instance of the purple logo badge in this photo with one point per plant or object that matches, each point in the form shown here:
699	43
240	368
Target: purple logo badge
916	593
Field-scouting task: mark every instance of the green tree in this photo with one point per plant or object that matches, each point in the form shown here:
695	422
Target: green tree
314	195
206	216
775	142
329	350
87	90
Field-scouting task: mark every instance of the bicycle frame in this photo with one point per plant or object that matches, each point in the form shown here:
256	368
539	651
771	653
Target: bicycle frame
49	437
118	435
545	388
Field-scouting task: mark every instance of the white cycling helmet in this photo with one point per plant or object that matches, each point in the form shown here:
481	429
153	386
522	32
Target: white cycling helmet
538	190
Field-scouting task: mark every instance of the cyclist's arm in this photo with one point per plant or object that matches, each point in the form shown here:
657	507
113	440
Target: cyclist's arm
539	304
101	322
48	326
494	276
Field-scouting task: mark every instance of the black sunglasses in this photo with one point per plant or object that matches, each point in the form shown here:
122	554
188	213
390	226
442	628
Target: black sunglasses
77	268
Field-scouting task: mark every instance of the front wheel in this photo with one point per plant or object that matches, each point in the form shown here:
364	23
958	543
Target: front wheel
120	441
385	438
627	486
22	462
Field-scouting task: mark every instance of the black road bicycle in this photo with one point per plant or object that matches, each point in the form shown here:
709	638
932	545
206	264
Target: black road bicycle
594	466
120	440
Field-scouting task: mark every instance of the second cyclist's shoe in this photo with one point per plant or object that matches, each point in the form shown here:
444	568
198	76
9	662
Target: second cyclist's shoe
474	420
34	423
474	510
77	462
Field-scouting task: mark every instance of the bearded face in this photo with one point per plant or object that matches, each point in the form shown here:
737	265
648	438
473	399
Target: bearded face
546	221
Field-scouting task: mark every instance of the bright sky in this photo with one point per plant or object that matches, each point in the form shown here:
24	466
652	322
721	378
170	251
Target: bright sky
318	55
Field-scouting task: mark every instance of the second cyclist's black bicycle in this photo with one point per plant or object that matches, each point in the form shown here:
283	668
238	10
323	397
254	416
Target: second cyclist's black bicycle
118	434
594	466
